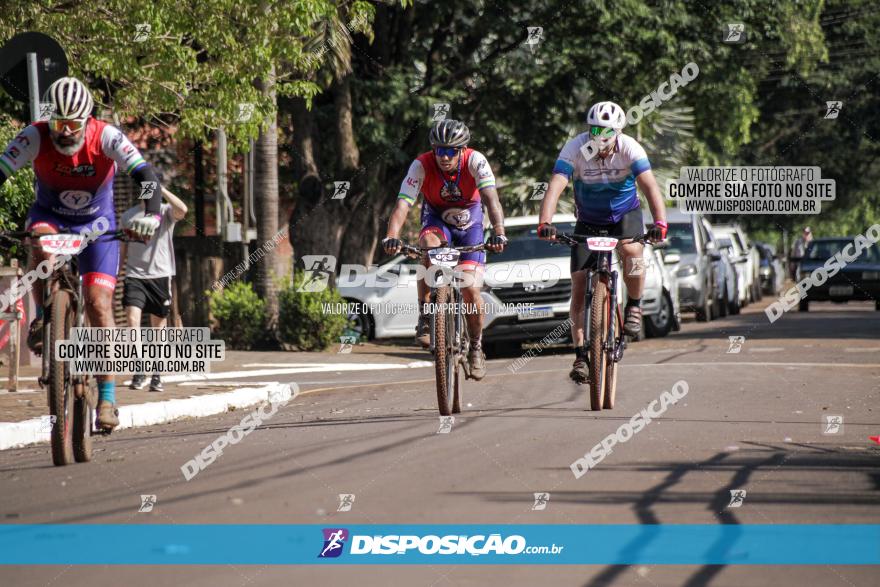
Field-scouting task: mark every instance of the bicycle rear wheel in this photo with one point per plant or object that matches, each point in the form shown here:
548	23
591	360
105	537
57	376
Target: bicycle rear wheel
598	331
444	358
61	401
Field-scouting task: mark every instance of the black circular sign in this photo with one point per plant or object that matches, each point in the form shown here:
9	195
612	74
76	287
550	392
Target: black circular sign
51	63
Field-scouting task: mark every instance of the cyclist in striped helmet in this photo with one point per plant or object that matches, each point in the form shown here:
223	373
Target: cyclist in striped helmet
75	157
455	181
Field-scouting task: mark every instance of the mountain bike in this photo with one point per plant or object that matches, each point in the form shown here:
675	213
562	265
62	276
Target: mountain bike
72	398
450	340
603	319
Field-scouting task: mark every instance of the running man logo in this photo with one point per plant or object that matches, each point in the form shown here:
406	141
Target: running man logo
832	109
446	423
441	111
534	35
46	110
735	344
346	343
147	503
637	266
245	112
319	268
46	423
735	33
541	500
832	424
539	190
737	496
148	188
334	541
142	32
346	500
340	189
589	150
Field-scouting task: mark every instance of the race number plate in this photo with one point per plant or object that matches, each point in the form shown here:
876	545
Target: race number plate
602	243
447	257
61	244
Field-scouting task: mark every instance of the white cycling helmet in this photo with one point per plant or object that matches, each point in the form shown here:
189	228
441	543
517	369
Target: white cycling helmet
607	114
605	120
70	98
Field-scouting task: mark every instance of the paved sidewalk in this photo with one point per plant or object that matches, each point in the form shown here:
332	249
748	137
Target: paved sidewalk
240	369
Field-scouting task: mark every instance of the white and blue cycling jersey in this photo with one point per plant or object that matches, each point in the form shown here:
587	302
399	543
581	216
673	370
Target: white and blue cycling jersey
604	189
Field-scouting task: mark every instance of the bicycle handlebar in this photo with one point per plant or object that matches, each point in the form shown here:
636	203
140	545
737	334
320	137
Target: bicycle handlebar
414	252
573	240
17	236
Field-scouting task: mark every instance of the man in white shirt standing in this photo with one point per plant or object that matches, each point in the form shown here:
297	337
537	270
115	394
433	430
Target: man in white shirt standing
149	268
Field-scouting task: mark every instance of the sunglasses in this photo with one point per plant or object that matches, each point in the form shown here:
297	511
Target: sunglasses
59	124
445	151
602	132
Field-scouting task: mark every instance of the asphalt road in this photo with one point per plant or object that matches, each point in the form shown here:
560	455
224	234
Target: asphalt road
752	420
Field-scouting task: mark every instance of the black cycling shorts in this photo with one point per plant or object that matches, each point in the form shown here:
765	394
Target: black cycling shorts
152	296
629	226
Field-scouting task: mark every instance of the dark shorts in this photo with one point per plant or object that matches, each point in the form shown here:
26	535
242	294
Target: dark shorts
629	226
152	296
99	261
433	221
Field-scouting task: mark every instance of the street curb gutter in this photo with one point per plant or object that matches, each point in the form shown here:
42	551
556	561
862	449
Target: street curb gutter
19	434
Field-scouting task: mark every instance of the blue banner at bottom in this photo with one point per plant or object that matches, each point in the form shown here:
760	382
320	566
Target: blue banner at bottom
522	544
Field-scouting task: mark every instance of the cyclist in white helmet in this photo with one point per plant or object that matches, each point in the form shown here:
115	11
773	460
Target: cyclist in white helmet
606	166
75	157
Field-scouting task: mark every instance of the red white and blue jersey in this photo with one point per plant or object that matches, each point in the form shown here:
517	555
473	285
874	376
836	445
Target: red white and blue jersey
443	191
78	187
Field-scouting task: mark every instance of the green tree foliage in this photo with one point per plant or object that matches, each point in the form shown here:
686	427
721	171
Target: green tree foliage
195	64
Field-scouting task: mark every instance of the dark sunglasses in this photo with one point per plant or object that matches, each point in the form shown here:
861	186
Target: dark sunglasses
445	151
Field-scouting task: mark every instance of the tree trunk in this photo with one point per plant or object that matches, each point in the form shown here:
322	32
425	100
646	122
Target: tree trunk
311	224
266	200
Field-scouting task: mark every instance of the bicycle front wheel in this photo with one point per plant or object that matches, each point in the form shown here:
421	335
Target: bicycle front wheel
61	401
611	365
444	357
598	332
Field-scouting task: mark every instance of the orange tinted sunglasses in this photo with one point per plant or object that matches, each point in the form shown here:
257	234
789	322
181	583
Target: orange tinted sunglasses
59	124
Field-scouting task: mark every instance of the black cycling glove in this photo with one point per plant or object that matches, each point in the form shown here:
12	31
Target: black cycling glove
391	245
546	230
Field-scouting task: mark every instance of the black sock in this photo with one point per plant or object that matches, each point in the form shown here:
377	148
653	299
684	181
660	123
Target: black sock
580	352
631	302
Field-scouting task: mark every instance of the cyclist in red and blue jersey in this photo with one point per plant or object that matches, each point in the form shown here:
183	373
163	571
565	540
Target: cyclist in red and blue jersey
75	158
606	166
454	181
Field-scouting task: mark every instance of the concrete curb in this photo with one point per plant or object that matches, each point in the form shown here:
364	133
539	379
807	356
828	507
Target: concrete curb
36	430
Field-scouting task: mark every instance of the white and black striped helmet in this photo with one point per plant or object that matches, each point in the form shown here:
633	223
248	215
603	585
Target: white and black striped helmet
449	133
70	99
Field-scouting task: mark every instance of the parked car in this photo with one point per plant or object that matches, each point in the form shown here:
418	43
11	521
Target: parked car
372	292
858	280
661	310
694	261
771	272
731	278
753	258
518	276
740	257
